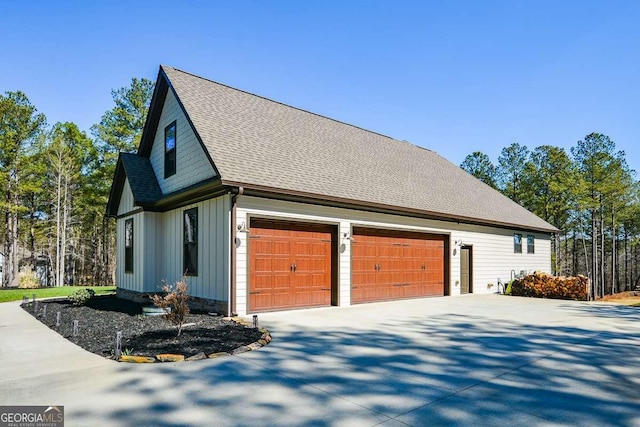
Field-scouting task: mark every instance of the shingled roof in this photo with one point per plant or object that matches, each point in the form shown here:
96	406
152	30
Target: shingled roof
142	179
254	141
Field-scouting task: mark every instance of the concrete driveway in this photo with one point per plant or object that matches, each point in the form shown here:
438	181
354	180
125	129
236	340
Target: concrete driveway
471	360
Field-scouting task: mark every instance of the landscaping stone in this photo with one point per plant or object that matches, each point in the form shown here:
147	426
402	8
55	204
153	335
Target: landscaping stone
198	356
242	321
254	346
241	350
137	359
167	357
263	342
218	354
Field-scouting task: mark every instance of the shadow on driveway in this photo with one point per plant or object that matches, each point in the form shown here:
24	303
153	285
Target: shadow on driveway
450	369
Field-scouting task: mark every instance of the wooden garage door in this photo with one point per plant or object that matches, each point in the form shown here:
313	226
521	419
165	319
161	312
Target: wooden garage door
393	265
289	266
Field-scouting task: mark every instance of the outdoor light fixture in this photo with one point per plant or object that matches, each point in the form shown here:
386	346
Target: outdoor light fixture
347	236
242	227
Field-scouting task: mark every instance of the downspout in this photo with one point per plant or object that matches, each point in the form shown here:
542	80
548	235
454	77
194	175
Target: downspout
231	304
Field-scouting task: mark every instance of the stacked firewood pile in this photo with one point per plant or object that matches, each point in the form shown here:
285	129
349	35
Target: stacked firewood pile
542	285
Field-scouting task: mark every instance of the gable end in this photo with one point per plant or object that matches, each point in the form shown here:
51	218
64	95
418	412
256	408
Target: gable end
163	86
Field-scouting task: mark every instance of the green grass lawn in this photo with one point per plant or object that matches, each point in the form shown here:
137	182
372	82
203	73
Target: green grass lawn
62	291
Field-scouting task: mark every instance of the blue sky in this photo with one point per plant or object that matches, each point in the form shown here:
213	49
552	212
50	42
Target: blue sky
454	76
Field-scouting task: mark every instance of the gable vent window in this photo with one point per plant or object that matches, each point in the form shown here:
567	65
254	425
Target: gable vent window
128	246
531	244
517	243
190	252
170	150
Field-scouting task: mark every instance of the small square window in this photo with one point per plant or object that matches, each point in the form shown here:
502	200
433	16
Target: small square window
190	241
170	150
128	246
517	243
531	244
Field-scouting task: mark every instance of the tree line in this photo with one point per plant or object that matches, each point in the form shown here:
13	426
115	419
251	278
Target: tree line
56	181
589	193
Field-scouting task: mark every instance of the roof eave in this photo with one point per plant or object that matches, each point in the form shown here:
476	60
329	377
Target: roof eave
202	190
321	199
115	193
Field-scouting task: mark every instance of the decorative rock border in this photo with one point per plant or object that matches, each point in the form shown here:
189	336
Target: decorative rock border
265	339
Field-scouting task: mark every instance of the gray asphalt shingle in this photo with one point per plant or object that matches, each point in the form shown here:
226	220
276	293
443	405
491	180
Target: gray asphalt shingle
254	140
142	179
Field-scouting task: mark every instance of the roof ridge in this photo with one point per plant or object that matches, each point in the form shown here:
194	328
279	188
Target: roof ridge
286	105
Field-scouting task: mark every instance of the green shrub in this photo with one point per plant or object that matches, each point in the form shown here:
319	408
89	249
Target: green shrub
509	288
81	296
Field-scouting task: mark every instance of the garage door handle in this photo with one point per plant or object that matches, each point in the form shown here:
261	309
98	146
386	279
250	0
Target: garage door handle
423	267
293	267
398	284
325	289
256	292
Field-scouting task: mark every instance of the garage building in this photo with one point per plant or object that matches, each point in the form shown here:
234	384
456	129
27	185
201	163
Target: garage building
263	206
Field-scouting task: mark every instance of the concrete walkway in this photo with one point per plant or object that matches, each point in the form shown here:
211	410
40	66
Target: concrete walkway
472	360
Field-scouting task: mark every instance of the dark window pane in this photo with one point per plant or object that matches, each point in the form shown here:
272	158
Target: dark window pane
128	246
190	226
517	243
169	163
128	233
170	150
191	259
531	244
170	138
190	242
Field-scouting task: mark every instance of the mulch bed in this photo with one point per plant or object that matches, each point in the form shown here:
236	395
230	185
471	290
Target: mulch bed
103	316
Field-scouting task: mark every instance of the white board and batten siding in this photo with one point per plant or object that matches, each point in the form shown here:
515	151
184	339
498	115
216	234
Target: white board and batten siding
131	281
212	280
493	251
158	247
192	164
134	280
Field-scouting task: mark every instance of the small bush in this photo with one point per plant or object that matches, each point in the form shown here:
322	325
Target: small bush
28	279
541	285
509	288
81	296
175	303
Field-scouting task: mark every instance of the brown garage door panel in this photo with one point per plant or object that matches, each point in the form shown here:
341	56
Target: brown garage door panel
289	265
390	265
